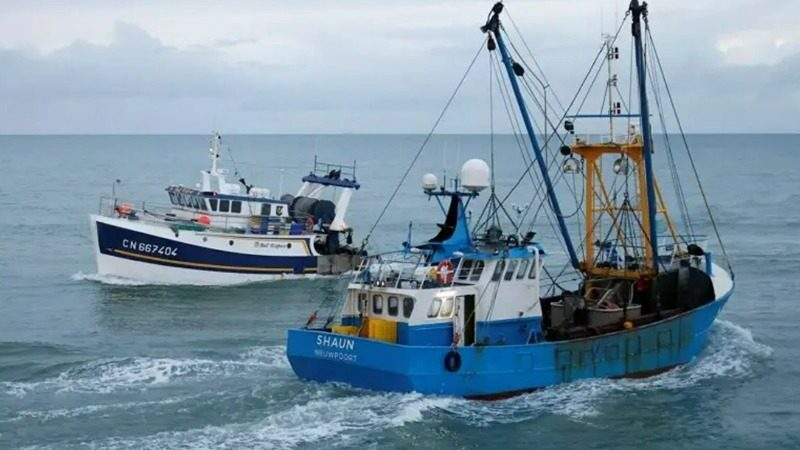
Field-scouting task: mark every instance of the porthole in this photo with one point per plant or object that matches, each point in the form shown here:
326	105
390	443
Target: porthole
289	245
230	242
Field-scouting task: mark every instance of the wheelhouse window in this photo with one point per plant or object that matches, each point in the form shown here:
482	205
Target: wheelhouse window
224	205
236	206
377	304
477	271
466	266
172	198
362	301
532	273
436	305
202	202
408	307
523	268
393	306
195	202
499	267
213	203
447	308
512	266
266	209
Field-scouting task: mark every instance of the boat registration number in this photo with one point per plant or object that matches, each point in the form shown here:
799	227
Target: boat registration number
152	249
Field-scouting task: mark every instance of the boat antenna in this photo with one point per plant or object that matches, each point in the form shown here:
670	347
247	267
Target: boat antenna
514	70
639	11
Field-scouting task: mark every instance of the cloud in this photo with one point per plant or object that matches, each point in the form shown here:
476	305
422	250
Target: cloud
151	67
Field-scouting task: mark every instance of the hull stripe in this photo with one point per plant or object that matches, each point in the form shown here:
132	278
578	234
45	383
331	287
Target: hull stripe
207	266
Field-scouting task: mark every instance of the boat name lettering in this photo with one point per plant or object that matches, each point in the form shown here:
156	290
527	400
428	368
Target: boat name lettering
336	342
153	249
271	244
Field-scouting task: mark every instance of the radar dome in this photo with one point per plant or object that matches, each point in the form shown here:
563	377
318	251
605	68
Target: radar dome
429	182
475	175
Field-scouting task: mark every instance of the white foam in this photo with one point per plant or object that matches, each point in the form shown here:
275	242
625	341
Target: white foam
269	356
115	280
111	375
53	414
731	353
350	418
107	279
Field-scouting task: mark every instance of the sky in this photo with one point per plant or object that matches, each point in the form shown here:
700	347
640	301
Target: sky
312	66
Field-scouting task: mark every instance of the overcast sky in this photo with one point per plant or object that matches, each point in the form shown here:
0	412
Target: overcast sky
363	66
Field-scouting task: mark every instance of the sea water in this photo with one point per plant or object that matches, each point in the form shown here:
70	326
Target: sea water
94	362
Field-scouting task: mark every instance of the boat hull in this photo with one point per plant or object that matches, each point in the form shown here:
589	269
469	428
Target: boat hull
498	371
155	253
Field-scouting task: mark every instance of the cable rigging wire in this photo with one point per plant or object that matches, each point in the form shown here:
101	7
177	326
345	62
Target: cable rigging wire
424	143
688	151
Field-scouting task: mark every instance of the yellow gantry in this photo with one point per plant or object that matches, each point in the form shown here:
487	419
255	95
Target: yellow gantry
599	202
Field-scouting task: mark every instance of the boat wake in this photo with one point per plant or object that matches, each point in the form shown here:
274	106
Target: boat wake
349	419
113	280
107	279
300	414
112	375
732	353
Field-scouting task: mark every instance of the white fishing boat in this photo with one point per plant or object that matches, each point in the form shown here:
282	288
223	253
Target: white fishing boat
228	233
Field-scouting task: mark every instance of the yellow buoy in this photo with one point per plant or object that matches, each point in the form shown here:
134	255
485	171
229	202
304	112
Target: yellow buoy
628	324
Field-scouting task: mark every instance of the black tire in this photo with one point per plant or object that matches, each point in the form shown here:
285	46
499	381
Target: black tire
452	361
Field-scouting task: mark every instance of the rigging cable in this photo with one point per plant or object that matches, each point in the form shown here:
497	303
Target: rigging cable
688	151
424	143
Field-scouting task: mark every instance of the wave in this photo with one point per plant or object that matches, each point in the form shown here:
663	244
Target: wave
107	279
114	280
119	374
349	419
732	353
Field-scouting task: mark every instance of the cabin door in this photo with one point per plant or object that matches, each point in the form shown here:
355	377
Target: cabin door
464	320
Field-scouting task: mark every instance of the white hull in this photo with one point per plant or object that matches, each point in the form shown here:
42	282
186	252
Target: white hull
153	274
162	266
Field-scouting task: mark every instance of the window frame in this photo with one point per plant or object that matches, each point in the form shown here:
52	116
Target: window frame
227	204
433	312
499	269
477	270
510	269
266	207
533	270
448	307
466	269
407	311
523	268
361	299
213	203
375	303
396	307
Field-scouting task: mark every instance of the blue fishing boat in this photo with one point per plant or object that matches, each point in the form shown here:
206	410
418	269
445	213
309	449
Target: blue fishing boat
474	312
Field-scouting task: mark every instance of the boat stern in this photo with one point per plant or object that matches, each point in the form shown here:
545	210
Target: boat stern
324	356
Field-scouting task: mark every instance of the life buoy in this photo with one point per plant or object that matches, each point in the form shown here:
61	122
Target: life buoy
452	361
444	272
309	224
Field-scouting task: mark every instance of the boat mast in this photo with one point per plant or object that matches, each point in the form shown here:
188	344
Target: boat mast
651	238
493	25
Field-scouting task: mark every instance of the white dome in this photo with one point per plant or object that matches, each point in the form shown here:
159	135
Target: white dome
429	182
475	175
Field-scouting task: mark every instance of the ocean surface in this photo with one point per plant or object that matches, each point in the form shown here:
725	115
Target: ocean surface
87	362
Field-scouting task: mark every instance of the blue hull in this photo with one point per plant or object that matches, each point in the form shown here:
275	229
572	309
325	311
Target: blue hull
495	371
142	247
